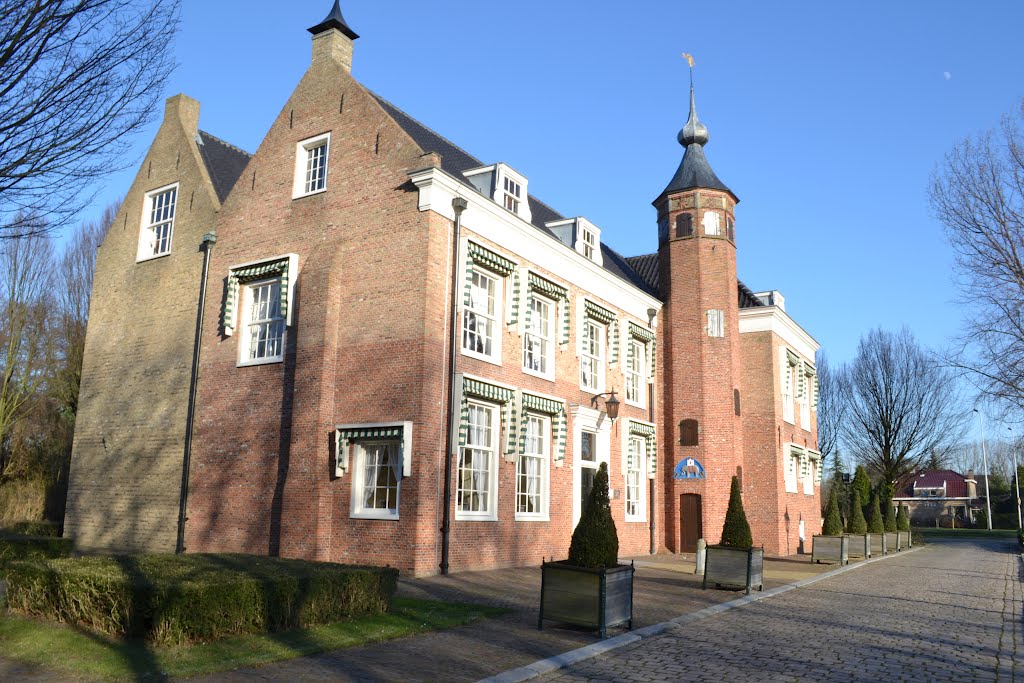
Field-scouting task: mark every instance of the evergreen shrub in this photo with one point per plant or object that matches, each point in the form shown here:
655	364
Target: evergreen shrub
857	524
833	522
875	523
903	519
174	599
20	547
595	542
736	531
889	516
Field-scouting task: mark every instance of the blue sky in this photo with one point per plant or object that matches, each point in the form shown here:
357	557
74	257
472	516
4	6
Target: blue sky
826	119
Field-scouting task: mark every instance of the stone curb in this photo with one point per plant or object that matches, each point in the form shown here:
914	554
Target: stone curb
543	666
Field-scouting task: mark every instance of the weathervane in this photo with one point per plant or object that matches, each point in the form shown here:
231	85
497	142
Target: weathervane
689	60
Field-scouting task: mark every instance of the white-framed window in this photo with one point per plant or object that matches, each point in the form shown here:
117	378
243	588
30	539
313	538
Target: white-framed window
805	405
592	357
538	340
787	380
792	471
480	319
589	243
476	489
712	224
809	476
716	323
634	372
311	157
376	479
512	194
532	470
157	222
634	479
263	324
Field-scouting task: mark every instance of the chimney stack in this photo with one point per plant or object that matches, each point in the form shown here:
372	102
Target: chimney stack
333	39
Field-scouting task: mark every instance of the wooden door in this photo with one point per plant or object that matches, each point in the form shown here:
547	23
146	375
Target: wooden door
690	525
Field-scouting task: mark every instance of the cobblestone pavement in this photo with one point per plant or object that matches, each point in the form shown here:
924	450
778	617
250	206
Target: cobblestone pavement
949	612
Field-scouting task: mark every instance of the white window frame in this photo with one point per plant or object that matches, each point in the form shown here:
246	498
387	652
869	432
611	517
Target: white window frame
792	470
716	323
587	357
495	316
805	405
787	382
589	239
635	375
303	148
541	426
536	321
711	224
359	480
490	453
588	420
511	193
639	445
147	234
809	479
245	294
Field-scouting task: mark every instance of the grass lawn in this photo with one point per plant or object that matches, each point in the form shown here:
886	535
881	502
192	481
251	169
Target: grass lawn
966	533
90	655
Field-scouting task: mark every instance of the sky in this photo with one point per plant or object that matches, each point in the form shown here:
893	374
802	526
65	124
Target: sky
826	120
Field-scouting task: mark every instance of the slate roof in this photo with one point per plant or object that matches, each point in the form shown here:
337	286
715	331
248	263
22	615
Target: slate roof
224	162
695	171
646	267
956	483
455	161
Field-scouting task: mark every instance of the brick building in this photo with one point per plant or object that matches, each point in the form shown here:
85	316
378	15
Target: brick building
381	349
940	497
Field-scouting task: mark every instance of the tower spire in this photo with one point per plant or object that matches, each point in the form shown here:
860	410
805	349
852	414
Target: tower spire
334	19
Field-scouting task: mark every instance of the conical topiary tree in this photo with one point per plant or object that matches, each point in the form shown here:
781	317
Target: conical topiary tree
736	531
903	519
889	516
875	523
833	522
857	524
595	542
862	485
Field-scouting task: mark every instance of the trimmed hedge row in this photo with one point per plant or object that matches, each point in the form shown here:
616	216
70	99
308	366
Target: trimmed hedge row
184	598
15	547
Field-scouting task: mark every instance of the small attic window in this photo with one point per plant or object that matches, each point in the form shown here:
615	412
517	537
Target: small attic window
512	194
588	240
589	243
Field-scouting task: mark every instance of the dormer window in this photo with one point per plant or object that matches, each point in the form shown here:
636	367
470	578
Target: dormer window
589	243
513	192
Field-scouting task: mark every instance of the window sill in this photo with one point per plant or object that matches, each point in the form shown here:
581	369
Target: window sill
789	420
143	259
479	356
521	517
791	488
309	194
549	376
636	520
592	391
635	404
468	517
387	516
260	361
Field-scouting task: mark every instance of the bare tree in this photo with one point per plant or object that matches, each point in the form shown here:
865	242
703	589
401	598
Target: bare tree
830	407
978	194
77	79
900	405
26	265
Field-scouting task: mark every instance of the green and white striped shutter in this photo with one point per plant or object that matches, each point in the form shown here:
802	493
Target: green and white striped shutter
239	276
801	380
613	332
517	303
653	354
489	392
814	397
554	409
580	317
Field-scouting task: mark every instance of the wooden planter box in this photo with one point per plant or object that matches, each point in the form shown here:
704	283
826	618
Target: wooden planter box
594	598
877	544
830	549
860	547
892	542
906	540
728	567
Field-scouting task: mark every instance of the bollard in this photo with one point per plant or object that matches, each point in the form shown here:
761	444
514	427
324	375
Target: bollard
702	551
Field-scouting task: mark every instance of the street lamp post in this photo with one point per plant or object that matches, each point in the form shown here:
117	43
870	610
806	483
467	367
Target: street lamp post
1016	478
984	460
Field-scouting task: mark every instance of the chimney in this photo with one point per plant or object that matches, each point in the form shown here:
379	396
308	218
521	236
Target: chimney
972	485
333	39
183	110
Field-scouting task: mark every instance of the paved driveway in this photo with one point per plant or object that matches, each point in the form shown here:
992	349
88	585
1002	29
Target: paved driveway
949	612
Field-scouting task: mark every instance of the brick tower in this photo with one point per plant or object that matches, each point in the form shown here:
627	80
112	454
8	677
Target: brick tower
700	337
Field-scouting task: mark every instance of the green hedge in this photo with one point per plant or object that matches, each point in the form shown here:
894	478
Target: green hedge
37	528
184	598
17	547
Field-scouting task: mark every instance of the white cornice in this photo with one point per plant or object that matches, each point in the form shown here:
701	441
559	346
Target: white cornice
774	319
487	219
